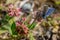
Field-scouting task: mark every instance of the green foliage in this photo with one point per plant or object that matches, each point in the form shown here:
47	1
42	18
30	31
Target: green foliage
8	17
32	25
9	25
13	29
11	21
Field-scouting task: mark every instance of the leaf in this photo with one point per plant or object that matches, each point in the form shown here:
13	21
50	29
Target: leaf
3	21
33	25
28	25
11	21
2	28
13	29
7	17
8	28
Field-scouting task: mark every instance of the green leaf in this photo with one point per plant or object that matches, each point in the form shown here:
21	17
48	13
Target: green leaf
13	29
11	21
7	17
28	25
32	25
3	21
7	27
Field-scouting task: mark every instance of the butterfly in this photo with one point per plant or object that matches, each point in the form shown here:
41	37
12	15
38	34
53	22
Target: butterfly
49	11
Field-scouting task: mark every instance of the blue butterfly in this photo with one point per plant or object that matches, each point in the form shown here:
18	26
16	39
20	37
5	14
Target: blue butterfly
49	11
